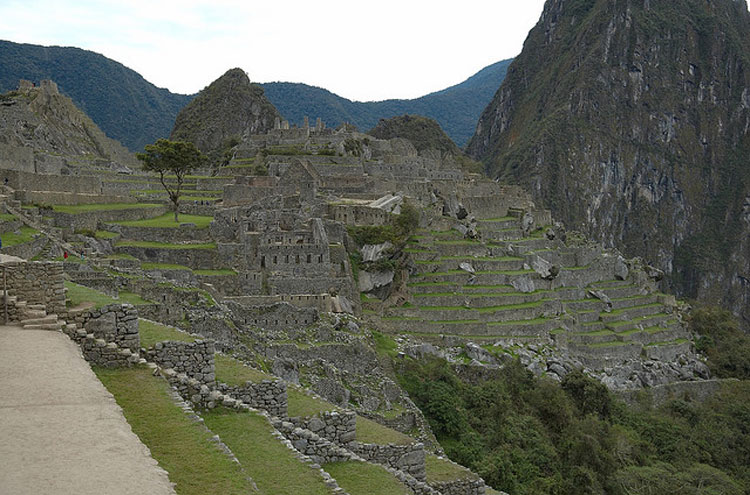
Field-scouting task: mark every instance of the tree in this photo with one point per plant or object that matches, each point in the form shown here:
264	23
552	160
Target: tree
171	157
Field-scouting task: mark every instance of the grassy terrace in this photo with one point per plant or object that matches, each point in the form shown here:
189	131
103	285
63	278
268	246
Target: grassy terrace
76	209
164	245
299	404
25	234
442	470
272	466
183	447
7	217
368	431
233	372
152	332
359	478
78	294
167	221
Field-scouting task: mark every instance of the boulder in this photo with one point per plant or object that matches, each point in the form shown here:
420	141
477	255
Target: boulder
369	281
621	269
467	267
375	252
523	284
544	268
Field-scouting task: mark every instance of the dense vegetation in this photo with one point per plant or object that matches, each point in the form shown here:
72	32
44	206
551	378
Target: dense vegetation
123	104
529	435
456	109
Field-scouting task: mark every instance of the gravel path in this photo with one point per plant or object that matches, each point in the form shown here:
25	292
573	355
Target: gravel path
61	431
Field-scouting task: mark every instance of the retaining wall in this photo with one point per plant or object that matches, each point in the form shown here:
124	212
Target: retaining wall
195	359
267	395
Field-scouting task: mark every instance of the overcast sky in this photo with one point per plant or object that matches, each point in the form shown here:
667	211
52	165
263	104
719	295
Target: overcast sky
360	50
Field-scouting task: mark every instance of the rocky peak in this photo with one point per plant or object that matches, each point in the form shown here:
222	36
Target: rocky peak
630	119
42	120
225	112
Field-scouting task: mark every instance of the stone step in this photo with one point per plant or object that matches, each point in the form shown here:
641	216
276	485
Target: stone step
31	314
44	326
43	320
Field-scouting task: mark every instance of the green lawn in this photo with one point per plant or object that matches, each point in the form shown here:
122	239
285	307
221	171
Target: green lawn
167	221
164	245
75	209
368	431
103	234
233	372
152	332
181	446
7	217
271	465
299	404
360	478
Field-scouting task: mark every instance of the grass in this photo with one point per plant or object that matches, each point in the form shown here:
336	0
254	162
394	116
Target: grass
163	266
25	234
165	245
299	404
183	447
216	273
233	372
78	294
7	217
384	345
152	332
442	470
131	298
104	234
76	209
360	478
368	431
167	221
271	465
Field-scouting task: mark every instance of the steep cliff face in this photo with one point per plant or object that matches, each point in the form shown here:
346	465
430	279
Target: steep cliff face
630	119
228	109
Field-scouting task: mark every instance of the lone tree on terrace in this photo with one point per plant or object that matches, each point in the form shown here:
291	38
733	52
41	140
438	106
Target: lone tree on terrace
171	157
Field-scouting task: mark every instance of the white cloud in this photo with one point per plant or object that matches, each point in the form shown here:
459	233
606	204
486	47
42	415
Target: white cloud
361	50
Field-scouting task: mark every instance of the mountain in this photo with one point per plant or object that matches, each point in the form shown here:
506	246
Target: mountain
229	109
43	131
126	106
631	121
456	108
423	132
135	112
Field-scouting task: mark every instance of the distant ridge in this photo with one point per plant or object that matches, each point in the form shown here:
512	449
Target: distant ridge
456	109
122	103
135	112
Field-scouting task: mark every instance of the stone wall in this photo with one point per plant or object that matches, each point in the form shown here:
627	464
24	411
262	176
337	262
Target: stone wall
697	391
267	395
338	427
195	359
114	323
26	181
321	450
183	233
16	158
100	352
407	458
37	283
277	316
90	220
197	259
460	487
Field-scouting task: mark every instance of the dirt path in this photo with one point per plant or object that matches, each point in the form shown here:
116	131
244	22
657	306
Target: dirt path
61	431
